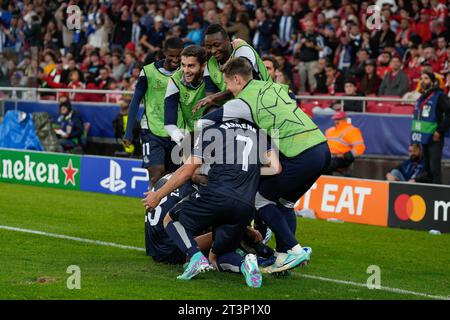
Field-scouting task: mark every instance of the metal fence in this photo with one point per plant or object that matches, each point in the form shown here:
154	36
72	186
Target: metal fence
36	94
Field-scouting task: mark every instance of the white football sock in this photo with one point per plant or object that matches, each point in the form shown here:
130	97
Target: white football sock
297	249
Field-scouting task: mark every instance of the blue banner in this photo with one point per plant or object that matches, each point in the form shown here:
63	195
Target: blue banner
99	116
383	134
114	176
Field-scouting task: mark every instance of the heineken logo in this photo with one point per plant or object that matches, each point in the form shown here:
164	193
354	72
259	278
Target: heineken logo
39	168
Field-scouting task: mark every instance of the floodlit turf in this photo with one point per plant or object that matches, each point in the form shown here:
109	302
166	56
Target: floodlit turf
34	266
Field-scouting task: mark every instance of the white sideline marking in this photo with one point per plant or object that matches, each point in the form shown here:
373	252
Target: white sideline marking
61	236
116	245
363	285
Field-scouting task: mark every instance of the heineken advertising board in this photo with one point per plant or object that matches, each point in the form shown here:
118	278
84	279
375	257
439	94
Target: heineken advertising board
39	168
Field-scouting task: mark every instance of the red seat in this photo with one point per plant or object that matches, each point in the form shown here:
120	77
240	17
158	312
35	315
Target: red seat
402	109
378	108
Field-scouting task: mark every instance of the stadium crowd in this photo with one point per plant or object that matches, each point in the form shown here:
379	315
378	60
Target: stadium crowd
318	46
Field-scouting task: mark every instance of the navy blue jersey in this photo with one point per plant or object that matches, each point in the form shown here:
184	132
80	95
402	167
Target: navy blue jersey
231	149
157	242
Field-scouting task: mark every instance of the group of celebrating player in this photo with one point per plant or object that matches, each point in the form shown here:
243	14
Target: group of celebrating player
215	210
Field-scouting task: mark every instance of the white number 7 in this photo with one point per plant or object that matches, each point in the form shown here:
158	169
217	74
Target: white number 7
245	154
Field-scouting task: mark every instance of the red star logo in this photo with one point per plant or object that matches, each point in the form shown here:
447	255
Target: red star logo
70	173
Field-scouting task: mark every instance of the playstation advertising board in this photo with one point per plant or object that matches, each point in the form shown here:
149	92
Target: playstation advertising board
114	176
419	206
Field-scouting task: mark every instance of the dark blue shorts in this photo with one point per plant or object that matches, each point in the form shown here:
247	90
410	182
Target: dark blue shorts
297	176
227	216
156	151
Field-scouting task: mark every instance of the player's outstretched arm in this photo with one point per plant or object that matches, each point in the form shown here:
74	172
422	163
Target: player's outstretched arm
212	99
272	165
183	174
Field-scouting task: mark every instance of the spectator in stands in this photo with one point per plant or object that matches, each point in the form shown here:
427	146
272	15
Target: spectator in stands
69	127
352	91
123	25
423	26
285	27
345	55
321	77
358	67
76	83
383	61
426	67
153	40
263	28
410	170
370	81
137	30
395	82
334	81
94	64
431	123
118	67
346	144
384	38
195	35
241	29
311	43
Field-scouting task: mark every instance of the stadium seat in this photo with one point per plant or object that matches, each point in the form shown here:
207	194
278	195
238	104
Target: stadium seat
377	107
402	109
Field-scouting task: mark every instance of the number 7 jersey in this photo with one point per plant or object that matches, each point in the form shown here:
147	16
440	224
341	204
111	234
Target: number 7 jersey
234	151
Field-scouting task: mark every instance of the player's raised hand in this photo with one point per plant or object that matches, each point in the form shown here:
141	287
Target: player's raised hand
151	200
236	42
126	142
203	102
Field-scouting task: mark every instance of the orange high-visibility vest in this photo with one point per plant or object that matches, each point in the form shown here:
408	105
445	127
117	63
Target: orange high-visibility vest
344	138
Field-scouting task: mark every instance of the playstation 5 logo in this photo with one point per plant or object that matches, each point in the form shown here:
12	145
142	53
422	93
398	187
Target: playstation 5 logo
113	182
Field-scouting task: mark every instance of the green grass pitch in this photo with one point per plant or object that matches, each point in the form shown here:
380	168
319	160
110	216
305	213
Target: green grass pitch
34	266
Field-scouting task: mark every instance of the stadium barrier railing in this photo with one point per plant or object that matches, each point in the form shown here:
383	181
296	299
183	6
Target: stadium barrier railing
36	94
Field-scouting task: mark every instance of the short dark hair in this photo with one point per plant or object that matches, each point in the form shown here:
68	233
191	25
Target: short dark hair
195	51
216	28
275	64
238	66
173	43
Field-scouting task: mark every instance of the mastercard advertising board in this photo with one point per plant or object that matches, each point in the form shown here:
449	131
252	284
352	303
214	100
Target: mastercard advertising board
352	200
419	206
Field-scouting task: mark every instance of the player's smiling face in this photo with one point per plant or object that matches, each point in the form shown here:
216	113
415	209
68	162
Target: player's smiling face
219	47
173	58
192	69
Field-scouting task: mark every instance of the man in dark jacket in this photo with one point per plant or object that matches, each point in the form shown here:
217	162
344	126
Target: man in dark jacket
263	32
431	123
69	127
410	170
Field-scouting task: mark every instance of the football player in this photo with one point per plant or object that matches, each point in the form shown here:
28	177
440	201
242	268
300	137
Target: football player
304	153
151	86
226	203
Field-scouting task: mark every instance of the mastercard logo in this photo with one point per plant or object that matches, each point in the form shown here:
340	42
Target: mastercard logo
410	207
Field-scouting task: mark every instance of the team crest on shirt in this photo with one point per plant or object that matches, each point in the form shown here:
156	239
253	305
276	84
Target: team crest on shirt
159	84
186	96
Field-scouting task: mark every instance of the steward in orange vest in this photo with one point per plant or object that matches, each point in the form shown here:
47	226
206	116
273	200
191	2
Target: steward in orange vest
345	142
